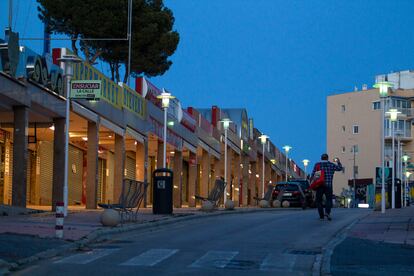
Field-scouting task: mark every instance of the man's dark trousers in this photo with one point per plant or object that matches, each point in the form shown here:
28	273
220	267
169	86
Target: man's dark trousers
328	204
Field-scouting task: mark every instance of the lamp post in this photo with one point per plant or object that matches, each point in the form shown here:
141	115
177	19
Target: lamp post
287	149
68	61
226	124
165	102
393	118
305	164
263	139
405	158
407	178
383	92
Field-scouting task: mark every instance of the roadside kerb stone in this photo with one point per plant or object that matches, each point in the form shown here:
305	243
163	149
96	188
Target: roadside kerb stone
6	267
322	265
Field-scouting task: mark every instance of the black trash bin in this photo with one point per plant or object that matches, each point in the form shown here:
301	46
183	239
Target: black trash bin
162	187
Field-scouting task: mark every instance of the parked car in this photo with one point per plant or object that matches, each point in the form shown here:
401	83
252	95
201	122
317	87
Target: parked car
309	194
291	192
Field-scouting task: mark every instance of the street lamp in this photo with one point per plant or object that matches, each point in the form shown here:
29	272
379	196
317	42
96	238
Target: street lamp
263	139
383	92
305	164
165	103
405	158
68	61
407	177
226	124
393	113
287	149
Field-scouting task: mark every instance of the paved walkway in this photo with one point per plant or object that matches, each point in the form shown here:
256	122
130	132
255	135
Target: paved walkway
78	224
379	244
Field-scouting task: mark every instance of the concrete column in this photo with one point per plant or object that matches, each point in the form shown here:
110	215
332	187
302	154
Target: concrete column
252	183
236	182
192	179
119	160
177	181
92	166
245	179
58	161
160	154
205	175
20	155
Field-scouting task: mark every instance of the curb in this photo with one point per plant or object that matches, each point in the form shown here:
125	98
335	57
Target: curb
7	267
322	265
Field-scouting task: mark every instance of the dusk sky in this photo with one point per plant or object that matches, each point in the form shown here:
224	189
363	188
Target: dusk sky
278	59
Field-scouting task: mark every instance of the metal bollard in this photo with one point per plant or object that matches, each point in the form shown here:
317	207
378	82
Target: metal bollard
60	209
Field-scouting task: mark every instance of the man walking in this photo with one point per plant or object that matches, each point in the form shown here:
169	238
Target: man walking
329	169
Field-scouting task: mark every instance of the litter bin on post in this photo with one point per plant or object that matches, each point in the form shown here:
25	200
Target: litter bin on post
162	196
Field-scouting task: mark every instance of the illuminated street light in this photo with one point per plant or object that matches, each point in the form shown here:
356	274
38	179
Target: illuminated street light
287	148
383	92
165	101
68	62
226	124
305	164
263	139
393	113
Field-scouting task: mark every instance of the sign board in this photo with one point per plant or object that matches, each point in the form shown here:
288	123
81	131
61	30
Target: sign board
86	89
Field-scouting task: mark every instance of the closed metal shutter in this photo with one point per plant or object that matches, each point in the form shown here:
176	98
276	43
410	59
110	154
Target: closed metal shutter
101	180
75	173
130	168
10	171
46	172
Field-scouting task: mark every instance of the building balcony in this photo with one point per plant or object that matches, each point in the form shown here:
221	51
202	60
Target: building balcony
403	135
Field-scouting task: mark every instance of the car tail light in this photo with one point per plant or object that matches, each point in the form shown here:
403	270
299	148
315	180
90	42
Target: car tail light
296	193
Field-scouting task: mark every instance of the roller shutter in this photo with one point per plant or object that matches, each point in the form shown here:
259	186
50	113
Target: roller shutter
101	180
130	168
46	172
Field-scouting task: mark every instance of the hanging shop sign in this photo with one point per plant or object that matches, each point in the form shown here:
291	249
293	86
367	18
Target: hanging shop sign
86	89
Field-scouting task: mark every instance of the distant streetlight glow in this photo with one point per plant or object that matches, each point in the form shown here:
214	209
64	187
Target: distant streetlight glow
383	93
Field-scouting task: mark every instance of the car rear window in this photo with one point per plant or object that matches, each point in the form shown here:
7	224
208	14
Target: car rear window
287	187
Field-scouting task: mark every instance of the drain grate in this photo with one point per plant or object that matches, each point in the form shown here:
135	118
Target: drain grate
304	252
242	265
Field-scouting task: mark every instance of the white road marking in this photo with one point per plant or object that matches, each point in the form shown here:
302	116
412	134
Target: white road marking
151	257
217	259
87	257
283	262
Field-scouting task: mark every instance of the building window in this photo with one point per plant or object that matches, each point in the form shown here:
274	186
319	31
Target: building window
343	108
343	149
343	128
355	129
355	149
376	105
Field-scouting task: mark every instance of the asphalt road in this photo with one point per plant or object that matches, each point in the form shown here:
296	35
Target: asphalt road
263	243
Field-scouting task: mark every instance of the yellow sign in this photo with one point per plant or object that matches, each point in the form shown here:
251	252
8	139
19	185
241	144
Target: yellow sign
118	96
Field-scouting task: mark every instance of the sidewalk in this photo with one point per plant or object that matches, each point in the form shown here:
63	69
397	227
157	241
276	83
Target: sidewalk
380	244
30	237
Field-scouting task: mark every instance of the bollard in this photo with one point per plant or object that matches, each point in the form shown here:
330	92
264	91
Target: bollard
59	219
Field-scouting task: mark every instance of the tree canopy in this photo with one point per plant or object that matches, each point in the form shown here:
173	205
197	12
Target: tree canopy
153	37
